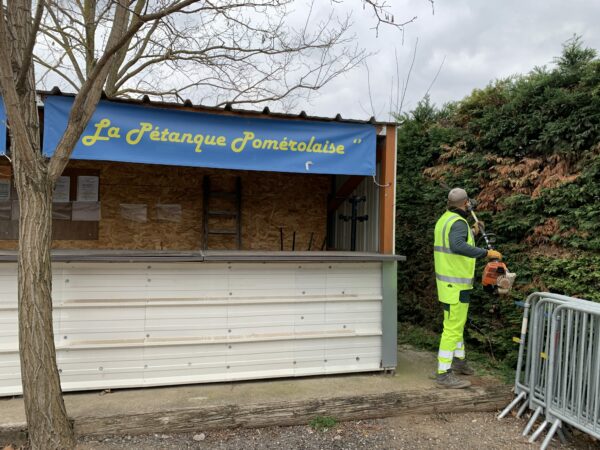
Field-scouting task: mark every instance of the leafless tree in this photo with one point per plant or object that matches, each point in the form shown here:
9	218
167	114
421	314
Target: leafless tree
398	89
244	52
228	50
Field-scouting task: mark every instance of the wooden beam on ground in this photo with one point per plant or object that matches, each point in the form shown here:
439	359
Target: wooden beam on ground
386	404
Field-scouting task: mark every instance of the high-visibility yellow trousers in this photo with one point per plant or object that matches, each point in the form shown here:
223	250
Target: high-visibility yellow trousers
452	342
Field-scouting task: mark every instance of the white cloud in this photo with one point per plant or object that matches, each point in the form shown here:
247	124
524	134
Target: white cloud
481	41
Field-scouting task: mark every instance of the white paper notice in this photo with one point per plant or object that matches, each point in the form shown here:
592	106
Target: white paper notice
4	190
134	212
87	189
62	190
168	213
86	211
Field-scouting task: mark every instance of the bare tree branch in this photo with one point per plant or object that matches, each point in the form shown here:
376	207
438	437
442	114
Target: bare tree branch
65	42
383	17
9	92
55	69
87	98
220	41
29	46
405	84
435	77
113	75
395	106
89	18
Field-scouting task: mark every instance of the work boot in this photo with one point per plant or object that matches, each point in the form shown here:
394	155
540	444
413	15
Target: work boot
461	367
448	380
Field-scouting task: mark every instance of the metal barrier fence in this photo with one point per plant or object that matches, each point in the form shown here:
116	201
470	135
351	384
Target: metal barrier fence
572	387
536	371
541	344
525	356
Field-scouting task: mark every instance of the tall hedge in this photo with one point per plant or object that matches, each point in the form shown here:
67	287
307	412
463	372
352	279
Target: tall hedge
528	149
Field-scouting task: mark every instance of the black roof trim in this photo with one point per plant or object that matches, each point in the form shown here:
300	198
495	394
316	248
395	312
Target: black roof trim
145	100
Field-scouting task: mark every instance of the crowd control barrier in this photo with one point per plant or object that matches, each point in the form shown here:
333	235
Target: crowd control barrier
573	379
558	367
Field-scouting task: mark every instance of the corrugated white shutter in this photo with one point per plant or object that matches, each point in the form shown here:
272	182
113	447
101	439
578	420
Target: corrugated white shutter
148	324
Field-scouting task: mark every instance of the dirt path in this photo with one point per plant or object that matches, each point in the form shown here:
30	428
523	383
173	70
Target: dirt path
472	431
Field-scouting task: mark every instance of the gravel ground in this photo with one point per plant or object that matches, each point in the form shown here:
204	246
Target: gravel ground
447	431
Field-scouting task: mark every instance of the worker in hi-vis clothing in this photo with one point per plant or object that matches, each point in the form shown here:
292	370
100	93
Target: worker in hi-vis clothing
454	256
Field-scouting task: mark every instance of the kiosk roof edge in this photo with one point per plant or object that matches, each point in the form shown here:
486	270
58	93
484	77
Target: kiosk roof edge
229	109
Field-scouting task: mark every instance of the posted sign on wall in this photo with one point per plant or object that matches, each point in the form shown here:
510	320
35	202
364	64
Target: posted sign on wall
132	133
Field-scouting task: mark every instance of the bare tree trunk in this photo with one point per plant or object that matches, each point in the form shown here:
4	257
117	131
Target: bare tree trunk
47	420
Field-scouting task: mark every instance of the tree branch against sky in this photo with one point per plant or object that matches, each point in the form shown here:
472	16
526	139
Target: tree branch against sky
217	53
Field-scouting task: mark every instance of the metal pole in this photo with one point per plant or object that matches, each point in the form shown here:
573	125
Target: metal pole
512	404
539	431
354	215
546	442
531	422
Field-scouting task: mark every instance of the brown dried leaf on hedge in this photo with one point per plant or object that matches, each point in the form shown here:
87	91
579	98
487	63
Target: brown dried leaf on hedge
505	176
453	151
527	176
551	227
543	233
439	172
444	167
553	176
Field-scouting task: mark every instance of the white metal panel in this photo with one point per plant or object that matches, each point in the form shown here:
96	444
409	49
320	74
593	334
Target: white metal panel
8	286
8	328
10	372
139	324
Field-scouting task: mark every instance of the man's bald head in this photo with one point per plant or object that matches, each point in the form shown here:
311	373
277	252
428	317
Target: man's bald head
457	198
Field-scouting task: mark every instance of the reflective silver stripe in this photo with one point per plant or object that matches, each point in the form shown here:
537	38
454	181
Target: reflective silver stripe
452	217
438	248
445	354
459	344
459	353
444	366
454	279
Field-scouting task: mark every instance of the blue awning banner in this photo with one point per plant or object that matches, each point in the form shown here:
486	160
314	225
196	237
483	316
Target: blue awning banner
2	128
152	135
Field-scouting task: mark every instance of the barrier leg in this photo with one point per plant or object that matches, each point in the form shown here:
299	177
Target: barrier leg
512	404
565	431
531	422
522	409
539	431
546	442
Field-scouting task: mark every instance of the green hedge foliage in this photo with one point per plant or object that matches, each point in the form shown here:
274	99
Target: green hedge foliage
528	148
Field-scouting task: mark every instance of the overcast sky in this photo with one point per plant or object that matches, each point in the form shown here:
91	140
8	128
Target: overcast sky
481	40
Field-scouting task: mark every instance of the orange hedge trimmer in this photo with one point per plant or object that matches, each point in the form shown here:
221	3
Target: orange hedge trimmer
496	276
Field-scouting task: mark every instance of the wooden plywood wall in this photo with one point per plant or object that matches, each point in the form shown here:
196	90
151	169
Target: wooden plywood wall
270	201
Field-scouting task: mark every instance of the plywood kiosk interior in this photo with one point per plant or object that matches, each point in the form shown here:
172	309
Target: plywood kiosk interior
196	244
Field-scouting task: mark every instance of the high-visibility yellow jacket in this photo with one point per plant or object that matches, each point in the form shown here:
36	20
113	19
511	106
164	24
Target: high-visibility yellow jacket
453	272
